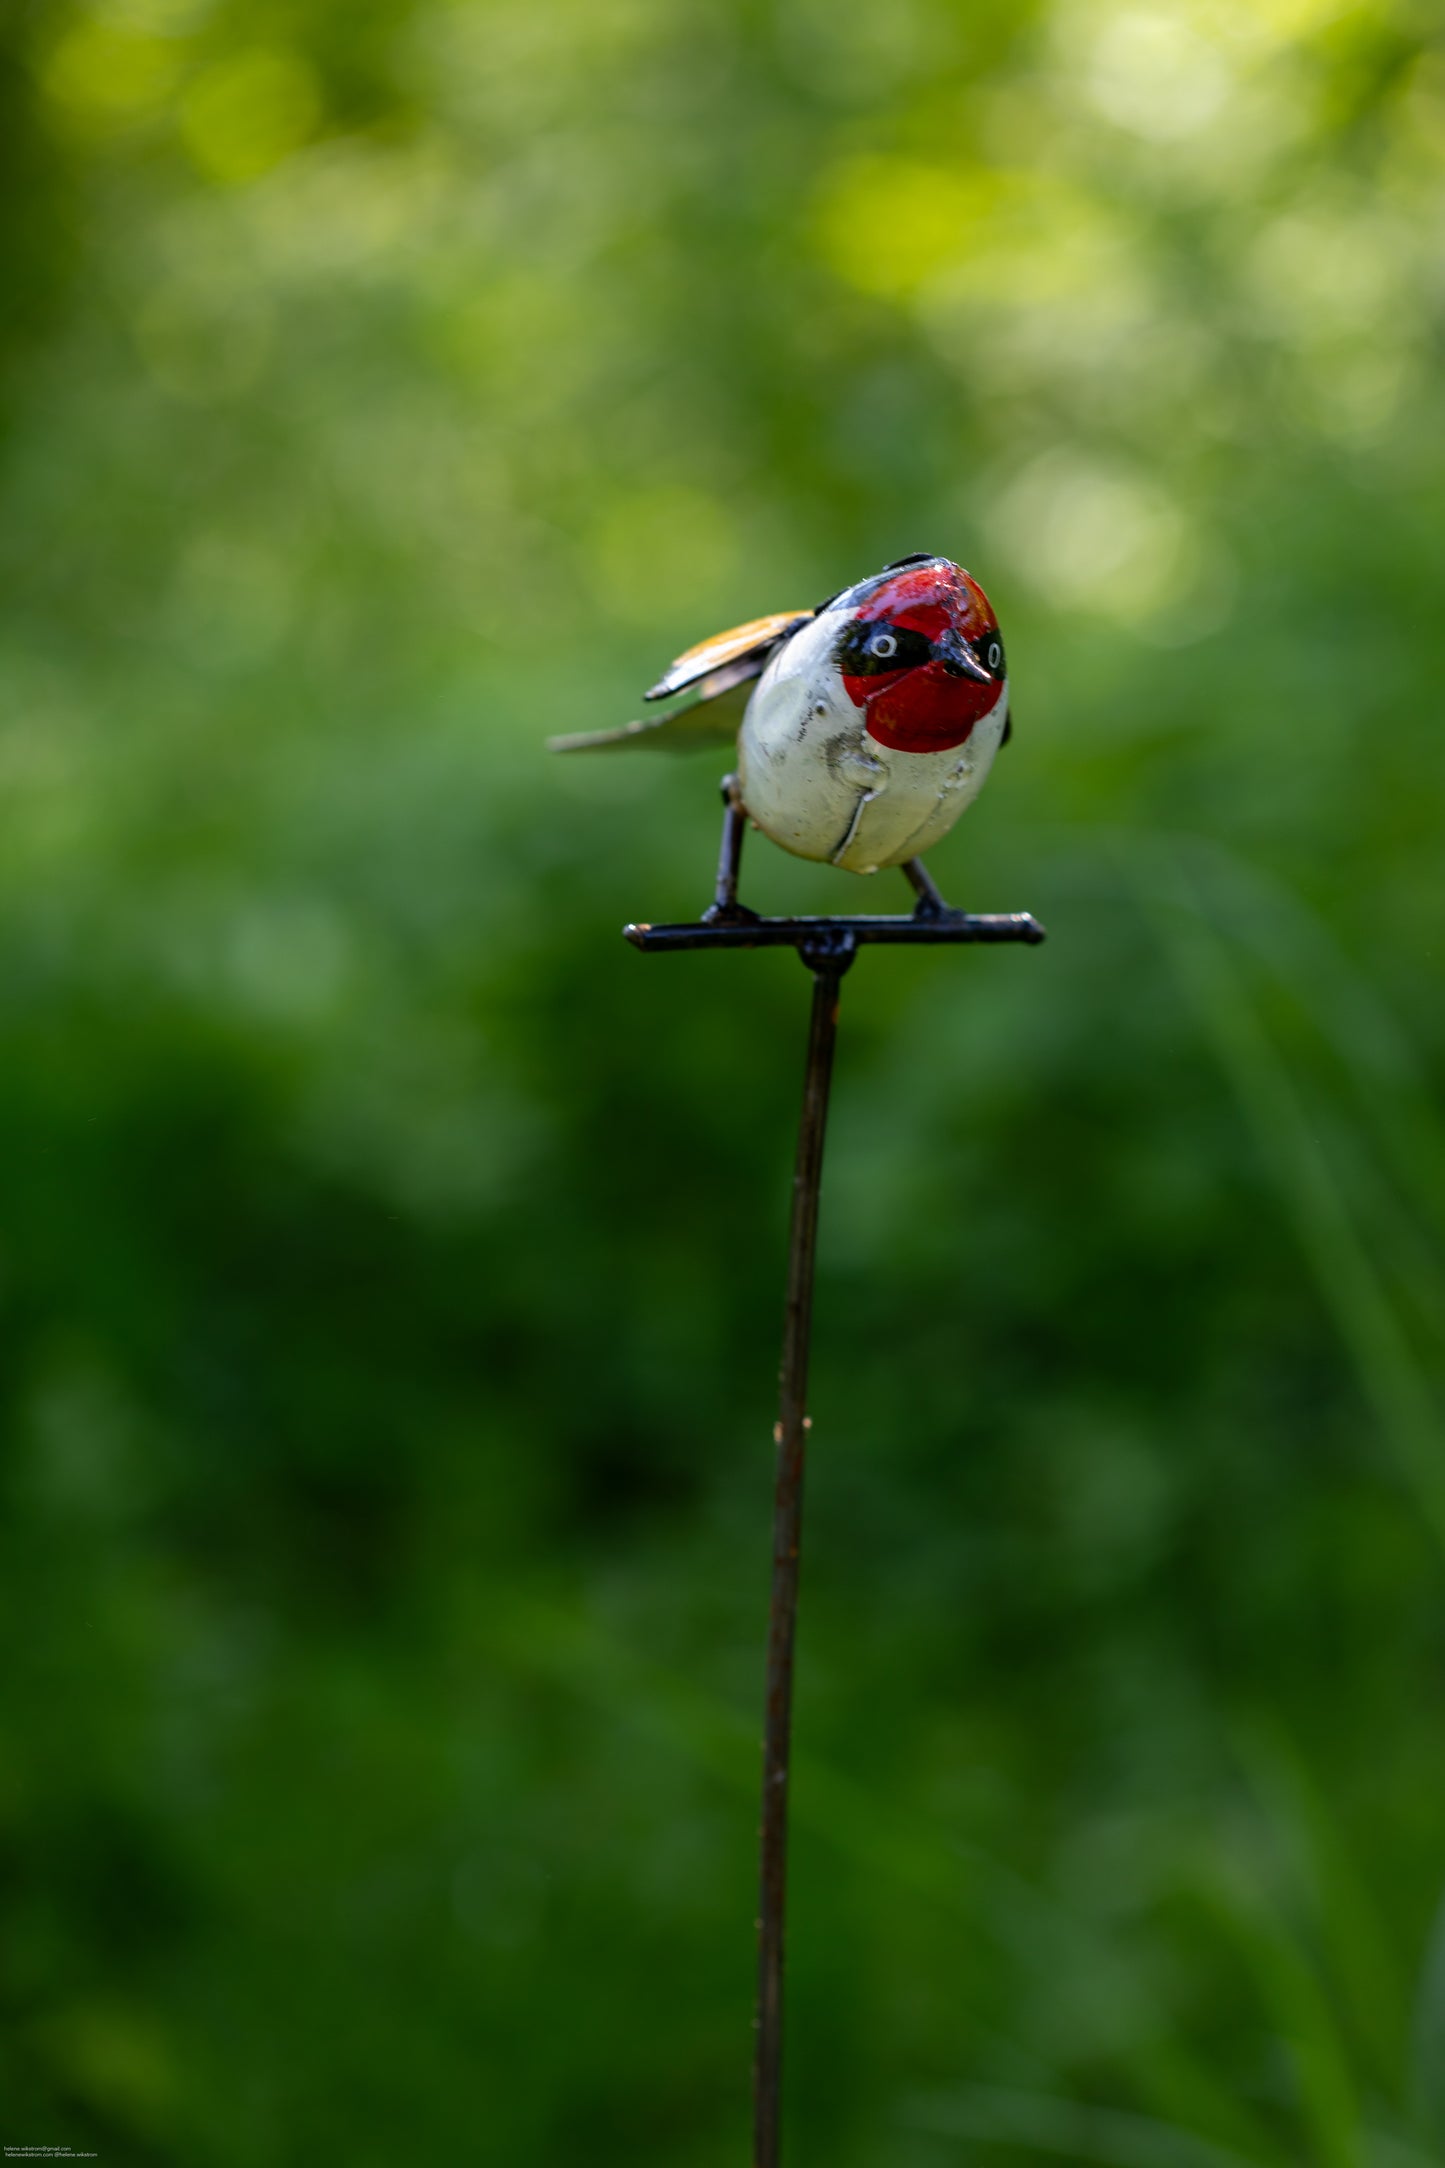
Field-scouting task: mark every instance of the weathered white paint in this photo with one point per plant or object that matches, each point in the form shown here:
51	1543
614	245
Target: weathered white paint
815	780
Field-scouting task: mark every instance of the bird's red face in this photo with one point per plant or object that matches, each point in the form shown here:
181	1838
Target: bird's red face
920	653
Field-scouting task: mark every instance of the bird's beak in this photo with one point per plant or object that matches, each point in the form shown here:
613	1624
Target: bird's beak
958	658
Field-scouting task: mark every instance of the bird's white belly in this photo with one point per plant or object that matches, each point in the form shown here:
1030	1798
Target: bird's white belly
816	782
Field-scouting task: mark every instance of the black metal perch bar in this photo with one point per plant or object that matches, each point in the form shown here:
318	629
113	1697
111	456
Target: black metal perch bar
827	946
916	930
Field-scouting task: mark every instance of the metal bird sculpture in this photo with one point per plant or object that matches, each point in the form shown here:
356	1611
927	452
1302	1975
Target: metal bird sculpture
863	727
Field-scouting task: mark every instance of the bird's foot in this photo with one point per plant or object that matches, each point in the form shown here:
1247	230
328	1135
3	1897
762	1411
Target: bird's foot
729	914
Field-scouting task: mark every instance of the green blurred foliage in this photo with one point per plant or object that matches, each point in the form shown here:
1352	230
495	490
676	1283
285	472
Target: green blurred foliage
390	1260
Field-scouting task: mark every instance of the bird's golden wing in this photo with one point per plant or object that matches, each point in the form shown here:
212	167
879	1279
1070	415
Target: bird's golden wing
719	672
752	643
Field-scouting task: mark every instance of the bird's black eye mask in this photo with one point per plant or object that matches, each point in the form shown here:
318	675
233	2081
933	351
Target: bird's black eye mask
873	650
876	650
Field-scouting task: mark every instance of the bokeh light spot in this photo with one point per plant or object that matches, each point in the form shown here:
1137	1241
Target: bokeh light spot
1153	74
246	114
104	75
1092	536
883	224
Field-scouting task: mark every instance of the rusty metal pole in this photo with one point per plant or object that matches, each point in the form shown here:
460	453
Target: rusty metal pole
827	961
827	946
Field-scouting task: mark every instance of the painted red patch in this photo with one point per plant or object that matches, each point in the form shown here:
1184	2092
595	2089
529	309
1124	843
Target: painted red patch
929	597
927	710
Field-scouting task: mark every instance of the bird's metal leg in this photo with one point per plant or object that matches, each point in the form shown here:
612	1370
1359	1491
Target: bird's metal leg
725	910
930	902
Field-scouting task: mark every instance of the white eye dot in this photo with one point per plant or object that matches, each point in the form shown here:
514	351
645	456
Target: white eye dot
995	654
883	645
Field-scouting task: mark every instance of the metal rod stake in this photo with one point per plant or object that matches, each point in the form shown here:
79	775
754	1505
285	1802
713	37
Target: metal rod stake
827	946
828	965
